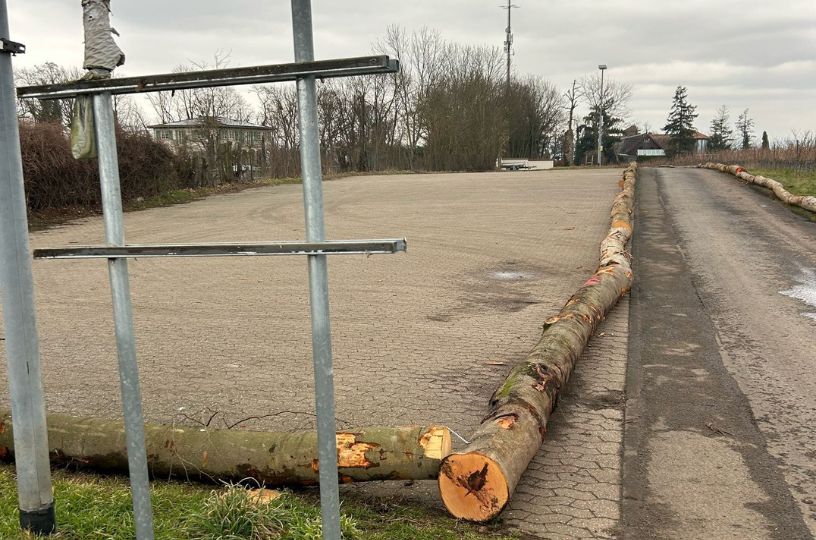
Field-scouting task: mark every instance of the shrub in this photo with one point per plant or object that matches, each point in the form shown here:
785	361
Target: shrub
54	179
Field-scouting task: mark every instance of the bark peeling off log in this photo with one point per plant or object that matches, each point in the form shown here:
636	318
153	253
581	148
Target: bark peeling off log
374	453
802	201
351	453
476	483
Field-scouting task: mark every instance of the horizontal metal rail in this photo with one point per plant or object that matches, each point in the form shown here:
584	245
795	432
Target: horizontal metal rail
343	67
335	247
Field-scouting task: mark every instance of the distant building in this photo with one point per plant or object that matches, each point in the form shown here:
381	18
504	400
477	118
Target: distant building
198	130
219	147
700	143
645	145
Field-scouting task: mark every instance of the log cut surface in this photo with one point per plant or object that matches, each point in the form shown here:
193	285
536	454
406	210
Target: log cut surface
476	483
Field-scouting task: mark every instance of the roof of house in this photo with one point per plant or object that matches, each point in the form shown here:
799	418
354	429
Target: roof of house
198	122
646	141
630	145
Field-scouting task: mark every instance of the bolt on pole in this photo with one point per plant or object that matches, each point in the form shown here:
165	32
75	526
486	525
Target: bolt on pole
318	273
123	315
35	495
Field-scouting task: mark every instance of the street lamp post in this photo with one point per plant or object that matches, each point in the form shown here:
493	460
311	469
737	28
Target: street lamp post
602	67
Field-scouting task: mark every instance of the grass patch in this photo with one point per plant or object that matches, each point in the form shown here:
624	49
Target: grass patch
798	182
92	506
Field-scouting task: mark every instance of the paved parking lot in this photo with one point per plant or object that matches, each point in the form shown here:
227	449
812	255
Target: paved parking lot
419	337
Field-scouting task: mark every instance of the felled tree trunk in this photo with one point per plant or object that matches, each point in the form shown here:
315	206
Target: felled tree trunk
477	482
374	453
803	201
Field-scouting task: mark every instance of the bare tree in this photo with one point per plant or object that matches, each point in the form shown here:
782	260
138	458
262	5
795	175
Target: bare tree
464	110
534	115
55	111
279	112
213	102
745	129
419	54
128	114
571	98
615	97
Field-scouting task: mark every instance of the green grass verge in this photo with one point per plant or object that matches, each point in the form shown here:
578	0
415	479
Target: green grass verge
798	182
92	506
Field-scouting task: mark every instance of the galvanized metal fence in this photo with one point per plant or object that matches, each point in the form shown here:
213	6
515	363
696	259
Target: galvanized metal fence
28	410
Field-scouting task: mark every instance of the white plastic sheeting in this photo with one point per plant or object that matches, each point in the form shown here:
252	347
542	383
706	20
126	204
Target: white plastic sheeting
101	52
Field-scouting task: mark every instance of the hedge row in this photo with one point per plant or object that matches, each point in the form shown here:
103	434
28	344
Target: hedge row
54	179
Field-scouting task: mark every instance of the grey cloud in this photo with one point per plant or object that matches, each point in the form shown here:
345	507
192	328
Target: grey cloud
641	41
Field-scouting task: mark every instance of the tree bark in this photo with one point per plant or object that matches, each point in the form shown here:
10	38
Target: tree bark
373	453
477	482
803	201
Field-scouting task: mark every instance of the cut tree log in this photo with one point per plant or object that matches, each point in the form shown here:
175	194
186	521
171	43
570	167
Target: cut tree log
476	483
803	201
272	459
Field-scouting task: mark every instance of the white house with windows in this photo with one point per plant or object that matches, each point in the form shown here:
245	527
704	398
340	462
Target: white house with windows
196	130
220	146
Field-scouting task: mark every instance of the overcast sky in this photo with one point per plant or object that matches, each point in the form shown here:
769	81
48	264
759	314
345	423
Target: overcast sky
757	54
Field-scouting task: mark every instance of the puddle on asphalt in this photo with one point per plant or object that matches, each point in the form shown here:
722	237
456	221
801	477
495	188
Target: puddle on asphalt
511	275
805	290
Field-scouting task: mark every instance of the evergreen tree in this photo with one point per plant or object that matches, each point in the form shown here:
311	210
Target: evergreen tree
679	127
745	129
722	137
587	144
766	145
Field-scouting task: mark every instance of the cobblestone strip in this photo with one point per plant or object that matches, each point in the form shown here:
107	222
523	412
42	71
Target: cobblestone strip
572	487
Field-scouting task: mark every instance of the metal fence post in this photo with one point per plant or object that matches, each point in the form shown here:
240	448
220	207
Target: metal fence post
318	273
36	499
123	315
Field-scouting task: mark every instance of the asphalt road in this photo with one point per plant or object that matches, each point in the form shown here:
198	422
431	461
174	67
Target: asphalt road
720	437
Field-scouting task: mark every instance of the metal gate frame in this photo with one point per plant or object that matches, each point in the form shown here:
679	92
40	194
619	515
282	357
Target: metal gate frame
28	408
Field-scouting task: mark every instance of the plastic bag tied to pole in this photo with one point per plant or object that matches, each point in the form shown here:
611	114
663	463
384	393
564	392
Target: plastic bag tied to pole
83	132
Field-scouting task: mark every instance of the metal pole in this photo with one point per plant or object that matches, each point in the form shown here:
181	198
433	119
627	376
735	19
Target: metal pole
600	119
509	44
123	316
36	499
318	274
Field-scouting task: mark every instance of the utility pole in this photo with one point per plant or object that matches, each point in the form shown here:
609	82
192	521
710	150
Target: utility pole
602	67
508	42
508	48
